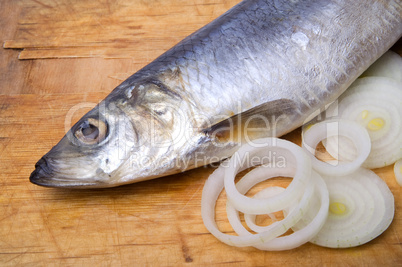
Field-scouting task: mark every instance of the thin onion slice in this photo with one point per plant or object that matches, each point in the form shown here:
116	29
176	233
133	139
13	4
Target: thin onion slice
270	152
277	228
264	193
376	104
297	238
398	171
335	128
210	193
361	208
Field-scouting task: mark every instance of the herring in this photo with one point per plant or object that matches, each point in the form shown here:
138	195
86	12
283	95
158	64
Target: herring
261	69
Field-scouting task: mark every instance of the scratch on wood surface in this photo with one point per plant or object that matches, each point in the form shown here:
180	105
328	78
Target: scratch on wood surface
42	4
111	29
137	244
72	257
120	76
192	197
19	255
397	237
116	232
49	230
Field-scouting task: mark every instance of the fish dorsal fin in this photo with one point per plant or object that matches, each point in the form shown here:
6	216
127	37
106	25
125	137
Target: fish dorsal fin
261	121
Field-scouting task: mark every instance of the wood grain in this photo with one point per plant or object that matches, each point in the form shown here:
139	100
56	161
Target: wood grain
157	222
139	30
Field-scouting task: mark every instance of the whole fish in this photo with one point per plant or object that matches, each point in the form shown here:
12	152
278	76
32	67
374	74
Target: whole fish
261	69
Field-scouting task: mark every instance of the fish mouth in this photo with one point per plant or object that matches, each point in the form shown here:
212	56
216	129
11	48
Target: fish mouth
44	175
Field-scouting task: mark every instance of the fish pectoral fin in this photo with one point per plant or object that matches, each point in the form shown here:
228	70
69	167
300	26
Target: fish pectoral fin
265	120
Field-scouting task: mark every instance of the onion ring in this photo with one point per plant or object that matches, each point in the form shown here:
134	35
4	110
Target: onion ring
277	228
289	153
350	129
297	238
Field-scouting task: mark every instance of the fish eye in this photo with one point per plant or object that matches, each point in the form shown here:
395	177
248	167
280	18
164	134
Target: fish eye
91	131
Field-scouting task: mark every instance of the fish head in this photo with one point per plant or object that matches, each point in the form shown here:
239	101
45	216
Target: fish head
90	152
130	136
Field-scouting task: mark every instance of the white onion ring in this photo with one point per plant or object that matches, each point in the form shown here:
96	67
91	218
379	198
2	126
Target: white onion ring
297	238
277	228
264	193
291	153
349	129
210	193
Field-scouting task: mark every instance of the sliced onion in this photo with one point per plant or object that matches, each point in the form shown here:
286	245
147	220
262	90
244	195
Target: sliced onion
361	204
388	65
297	238
291	153
212	188
376	104
277	228
264	193
280	153
361	208
335	128
398	171
265	240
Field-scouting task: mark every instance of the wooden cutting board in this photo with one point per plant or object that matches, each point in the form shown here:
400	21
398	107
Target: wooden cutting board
76	52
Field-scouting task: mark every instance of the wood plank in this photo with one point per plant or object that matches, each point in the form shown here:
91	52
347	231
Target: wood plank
109	29
12	71
156	222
